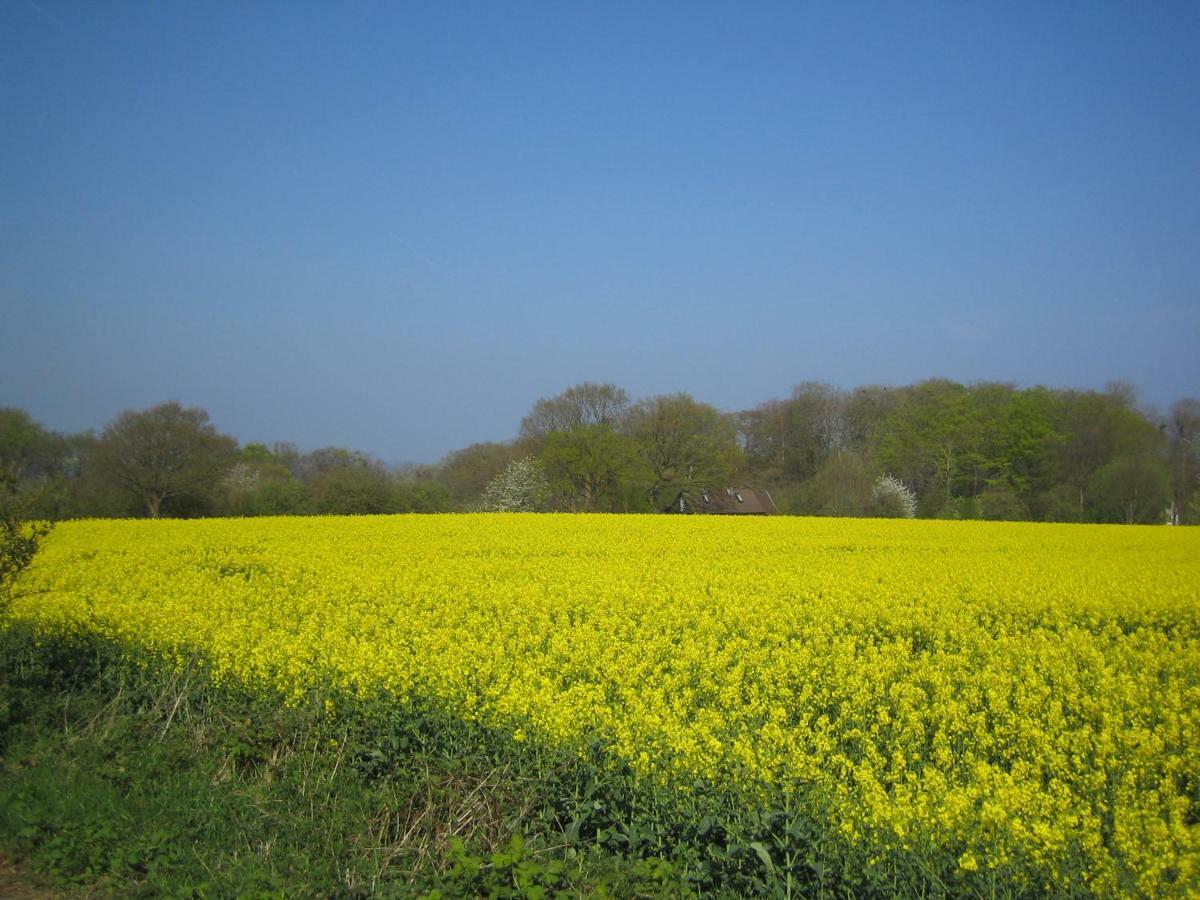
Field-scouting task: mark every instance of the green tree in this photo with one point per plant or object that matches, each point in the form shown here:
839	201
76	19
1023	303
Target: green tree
1131	490
344	481
28	451
787	441
865	410
261	483
29	456
418	495
466	473
1003	504
590	467
353	490
1095	429
38	463
20	538
166	456
685	446
1015	430
931	442
842	487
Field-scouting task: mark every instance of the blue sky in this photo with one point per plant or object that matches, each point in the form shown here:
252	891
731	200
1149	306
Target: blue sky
395	226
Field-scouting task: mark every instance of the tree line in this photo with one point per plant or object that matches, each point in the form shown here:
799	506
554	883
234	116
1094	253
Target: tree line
935	449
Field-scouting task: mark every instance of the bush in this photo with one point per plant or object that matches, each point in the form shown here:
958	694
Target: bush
891	498
961	508
1004	505
128	777
522	487
19	542
1059	504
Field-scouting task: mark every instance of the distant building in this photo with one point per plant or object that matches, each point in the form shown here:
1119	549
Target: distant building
727	502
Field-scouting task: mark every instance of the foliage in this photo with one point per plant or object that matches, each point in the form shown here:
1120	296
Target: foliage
582	406
28	452
167	453
19	541
987	450
685	446
1183	433
466	473
418	495
261	483
590	467
521	487
1131	490
126	777
843	486
932	442
791	440
1002	505
926	707
349	490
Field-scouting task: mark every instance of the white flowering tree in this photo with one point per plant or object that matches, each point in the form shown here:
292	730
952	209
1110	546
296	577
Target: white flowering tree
893	499
521	487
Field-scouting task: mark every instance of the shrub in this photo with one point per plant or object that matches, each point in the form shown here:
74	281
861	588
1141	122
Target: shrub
891	498
521	487
19	541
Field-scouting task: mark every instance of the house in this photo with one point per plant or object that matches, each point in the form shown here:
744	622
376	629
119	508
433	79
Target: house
727	502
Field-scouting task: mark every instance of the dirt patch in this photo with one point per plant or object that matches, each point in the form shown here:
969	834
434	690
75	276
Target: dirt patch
16	884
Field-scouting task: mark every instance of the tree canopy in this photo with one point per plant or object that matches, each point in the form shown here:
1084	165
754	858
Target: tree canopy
987	450
165	454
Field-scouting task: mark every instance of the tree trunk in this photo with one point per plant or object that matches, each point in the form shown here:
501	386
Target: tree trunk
153	506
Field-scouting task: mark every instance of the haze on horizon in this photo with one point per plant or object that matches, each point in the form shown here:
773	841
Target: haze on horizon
395	227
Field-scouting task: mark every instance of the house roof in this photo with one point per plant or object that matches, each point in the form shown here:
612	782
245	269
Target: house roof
729	502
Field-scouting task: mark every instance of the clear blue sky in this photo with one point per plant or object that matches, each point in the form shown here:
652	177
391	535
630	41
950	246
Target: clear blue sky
395	226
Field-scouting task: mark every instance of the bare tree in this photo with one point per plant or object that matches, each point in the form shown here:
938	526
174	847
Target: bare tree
577	407
1183	435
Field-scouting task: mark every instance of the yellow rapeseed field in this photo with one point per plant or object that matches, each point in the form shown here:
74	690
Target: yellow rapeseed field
1019	695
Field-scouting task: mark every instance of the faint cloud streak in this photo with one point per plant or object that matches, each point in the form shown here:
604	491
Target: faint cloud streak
46	14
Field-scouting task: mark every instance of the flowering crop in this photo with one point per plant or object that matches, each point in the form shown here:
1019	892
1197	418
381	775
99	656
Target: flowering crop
1024	698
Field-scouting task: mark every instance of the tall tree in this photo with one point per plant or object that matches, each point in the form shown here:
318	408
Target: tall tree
28	451
1096	429
931	442
1183	436
1131	490
816	427
590	467
843	486
580	406
261	483
350	491
865	409
467	472
685	445
789	440
165	454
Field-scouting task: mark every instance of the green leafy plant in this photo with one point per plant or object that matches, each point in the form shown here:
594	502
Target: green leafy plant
19	541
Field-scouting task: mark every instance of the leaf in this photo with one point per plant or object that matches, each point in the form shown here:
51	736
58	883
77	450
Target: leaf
757	847
573	829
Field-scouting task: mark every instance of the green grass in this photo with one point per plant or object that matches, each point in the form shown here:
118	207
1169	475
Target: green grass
128	778
134	782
